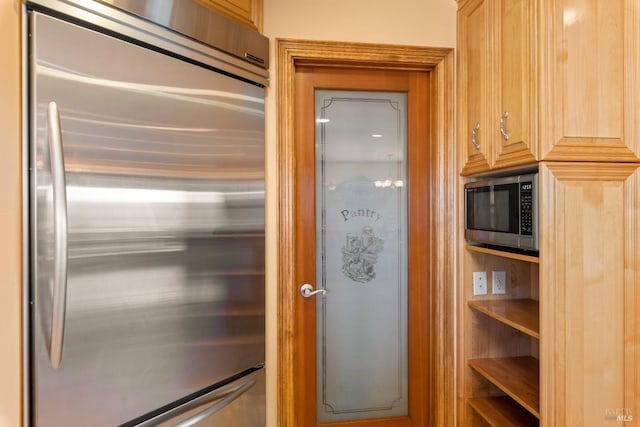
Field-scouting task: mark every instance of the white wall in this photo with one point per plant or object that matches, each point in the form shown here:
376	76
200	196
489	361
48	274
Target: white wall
406	22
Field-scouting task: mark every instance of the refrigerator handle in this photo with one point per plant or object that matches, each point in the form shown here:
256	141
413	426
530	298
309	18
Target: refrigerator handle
221	398
59	288
216	407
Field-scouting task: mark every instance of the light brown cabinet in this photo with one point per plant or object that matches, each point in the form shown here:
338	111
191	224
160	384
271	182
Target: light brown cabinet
588	68
547	80
563	346
248	12
590	293
496	83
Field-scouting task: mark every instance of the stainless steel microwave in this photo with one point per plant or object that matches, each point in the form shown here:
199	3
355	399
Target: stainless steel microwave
503	211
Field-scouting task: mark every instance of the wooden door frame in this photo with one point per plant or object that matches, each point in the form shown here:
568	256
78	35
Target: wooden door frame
443	174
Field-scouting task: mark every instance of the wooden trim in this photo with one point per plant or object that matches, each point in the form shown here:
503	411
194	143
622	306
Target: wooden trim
257	13
504	254
11	304
632	293
423	338
566	171
443	179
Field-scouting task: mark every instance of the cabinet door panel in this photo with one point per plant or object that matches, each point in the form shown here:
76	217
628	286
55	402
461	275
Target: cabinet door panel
473	63
511	123
590	63
590	273
248	12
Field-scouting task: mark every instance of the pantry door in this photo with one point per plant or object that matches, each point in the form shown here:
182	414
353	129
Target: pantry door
361	246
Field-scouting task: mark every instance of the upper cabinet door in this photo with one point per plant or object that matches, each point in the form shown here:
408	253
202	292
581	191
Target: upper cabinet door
589	63
497	83
248	12
472	85
513	120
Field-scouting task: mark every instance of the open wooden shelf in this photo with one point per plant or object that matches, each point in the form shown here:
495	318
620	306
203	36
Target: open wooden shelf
520	314
518	377
502	411
504	254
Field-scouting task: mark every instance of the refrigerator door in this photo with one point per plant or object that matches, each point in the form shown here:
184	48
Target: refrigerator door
147	227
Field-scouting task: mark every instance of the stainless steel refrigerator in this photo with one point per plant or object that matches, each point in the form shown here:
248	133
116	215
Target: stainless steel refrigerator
145	173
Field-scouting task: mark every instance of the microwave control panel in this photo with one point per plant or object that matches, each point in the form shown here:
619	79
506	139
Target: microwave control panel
526	208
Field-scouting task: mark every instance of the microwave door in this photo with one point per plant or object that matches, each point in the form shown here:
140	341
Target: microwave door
503	212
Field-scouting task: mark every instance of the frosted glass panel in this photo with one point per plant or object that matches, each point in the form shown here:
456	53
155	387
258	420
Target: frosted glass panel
361	232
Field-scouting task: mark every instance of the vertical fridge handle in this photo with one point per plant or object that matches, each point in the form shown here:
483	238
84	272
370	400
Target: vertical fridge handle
59	288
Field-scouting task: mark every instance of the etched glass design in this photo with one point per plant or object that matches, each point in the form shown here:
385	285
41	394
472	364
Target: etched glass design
361	232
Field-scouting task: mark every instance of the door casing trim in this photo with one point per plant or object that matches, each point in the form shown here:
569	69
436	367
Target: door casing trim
439	63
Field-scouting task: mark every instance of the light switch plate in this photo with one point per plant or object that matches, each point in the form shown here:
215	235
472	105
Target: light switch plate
479	282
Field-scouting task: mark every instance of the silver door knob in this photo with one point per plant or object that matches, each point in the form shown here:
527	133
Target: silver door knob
307	291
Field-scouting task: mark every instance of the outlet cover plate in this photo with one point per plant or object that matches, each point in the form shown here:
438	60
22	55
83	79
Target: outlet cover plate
479	283
499	282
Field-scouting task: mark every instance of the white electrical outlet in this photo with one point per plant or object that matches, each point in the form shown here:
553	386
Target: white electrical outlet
499	282
479	282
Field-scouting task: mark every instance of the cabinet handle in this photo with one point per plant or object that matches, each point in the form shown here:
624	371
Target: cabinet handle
474	139
505	135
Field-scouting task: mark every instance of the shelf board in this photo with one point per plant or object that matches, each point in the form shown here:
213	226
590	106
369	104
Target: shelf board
504	254
518	377
502	411
520	314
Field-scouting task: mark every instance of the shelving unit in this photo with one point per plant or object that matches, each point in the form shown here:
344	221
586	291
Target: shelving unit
503	254
516	58
501	411
520	314
518	377
501	341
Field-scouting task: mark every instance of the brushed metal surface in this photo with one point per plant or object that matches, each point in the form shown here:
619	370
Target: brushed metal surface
203	24
164	163
182	28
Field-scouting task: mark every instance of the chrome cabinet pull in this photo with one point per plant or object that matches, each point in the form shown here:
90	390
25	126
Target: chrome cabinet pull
474	139
505	135
307	291
59	288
